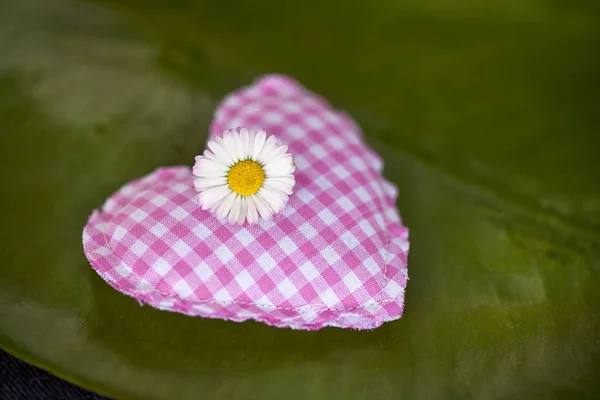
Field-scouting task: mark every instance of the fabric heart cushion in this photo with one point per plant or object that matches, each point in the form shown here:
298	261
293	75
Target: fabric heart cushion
335	256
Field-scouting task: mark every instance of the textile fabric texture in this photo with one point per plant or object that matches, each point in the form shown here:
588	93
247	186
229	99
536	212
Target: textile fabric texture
335	256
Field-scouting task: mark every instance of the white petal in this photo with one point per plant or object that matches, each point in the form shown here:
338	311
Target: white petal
267	148
211	156
252	213
208	168
214	207
250	143
283	186
275	199
262	207
213	196
201	184
243	208
245	138
282	167
276	153
284	202
235	210
217	147
225	206
230	145
259	142
289	179
239	145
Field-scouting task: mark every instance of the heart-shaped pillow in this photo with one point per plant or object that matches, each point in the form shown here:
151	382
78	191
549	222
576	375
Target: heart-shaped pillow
335	256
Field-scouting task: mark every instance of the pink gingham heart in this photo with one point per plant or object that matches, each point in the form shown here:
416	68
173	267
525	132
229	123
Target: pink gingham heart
335	256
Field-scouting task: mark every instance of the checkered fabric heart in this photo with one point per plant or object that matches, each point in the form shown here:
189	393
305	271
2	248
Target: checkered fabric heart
335	256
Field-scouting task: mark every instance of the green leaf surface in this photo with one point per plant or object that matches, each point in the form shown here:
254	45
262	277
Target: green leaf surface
487	114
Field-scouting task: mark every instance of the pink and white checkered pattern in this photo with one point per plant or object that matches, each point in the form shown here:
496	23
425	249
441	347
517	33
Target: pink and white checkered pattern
335	256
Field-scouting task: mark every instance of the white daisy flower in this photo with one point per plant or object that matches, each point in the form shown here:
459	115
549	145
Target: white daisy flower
244	174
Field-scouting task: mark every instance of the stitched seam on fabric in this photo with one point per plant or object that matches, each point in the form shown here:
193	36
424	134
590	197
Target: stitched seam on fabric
386	237
244	303
386	243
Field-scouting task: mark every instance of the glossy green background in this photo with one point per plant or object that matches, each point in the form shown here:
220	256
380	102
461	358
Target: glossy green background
487	115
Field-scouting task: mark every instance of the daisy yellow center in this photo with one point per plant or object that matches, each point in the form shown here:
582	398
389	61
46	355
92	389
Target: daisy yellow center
246	177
